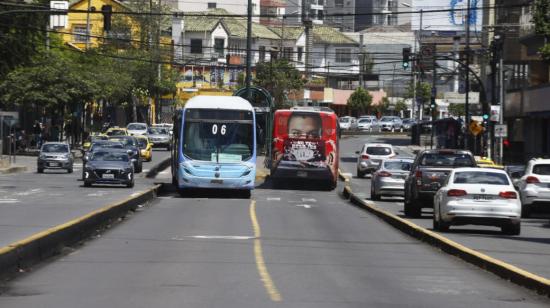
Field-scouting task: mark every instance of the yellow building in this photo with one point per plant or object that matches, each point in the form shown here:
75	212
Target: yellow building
77	21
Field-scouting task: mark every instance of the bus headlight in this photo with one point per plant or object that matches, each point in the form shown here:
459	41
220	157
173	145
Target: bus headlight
247	172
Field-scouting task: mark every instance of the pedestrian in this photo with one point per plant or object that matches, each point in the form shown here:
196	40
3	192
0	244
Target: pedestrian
37	132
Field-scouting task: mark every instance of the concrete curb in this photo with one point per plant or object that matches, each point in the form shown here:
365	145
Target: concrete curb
502	269
154	171
45	244
13	169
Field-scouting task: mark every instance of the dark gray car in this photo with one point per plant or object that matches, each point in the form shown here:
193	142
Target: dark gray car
109	166
55	155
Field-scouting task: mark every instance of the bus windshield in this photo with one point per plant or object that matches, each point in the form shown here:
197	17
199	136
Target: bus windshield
222	136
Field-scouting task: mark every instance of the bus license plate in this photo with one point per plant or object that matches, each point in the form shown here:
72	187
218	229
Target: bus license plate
216	181
301	174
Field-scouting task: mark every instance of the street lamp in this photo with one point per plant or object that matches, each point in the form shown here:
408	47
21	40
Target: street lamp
417	38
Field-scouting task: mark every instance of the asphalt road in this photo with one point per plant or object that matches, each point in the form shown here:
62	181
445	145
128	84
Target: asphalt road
282	248
31	202
529	251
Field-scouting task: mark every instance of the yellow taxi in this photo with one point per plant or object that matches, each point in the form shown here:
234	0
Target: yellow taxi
91	139
117	131
146	148
486	162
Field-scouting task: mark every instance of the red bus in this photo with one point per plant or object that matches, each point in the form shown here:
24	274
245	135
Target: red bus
305	145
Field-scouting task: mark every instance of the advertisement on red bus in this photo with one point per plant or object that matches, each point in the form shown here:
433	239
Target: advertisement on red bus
305	145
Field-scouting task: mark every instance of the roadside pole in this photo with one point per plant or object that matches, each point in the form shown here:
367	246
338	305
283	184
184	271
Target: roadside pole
501	115
248	48
467	77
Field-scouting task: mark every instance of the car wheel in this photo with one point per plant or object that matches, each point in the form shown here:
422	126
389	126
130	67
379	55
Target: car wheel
525	211
70	170
87	184
373	195
130	184
435	223
360	174
412	209
511	229
444	226
245	194
139	167
40	170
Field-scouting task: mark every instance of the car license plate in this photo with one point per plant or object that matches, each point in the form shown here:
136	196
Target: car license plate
54	164
108	176
301	174
483	197
216	181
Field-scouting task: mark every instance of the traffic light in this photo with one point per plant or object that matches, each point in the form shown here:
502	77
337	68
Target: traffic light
406	57
506	143
106	10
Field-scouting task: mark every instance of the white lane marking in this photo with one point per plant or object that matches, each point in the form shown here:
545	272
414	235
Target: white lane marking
273	199
28	192
9	201
55	195
309	200
306	206
99	193
215	237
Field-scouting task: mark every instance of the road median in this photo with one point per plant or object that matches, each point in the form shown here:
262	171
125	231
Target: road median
23	254
502	269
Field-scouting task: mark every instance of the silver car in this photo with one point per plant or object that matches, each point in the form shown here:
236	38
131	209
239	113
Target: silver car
389	178
367	124
160	137
55	155
371	155
390	123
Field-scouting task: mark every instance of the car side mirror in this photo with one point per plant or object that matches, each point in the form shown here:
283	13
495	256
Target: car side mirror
357	152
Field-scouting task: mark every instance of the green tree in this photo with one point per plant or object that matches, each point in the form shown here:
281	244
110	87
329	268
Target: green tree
423	93
400	106
359	101
541	19
457	110
383	106
279	77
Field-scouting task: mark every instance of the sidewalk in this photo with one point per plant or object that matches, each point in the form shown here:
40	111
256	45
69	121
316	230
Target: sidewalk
22	164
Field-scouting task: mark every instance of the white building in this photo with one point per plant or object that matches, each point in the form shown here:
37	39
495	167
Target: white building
238	7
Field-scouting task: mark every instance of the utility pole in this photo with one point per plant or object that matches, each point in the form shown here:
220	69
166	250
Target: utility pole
248	48
501	98
467	79
156	117
87	25
306	21
361	61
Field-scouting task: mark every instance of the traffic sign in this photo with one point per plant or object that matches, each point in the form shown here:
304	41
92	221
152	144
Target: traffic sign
501	131
475	128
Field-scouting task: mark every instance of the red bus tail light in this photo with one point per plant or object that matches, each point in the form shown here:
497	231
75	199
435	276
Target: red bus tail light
384	174
456	193
532	180
508	195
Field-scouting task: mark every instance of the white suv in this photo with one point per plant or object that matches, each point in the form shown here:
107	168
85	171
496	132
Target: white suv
371	155
534	185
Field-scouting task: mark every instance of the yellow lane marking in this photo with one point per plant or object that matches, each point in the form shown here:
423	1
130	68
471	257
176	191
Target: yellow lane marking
269	285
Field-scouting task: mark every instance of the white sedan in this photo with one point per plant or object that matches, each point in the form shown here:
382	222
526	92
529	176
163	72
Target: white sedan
478	196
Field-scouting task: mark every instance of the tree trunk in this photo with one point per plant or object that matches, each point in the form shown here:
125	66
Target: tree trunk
134	108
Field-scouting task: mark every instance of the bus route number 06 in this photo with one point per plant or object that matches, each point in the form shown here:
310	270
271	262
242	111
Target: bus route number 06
223	129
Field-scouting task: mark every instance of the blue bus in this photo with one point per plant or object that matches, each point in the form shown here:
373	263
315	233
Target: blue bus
214	144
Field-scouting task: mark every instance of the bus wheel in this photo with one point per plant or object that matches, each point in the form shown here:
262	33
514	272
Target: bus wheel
246	194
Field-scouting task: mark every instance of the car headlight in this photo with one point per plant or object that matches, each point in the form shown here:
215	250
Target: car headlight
42	156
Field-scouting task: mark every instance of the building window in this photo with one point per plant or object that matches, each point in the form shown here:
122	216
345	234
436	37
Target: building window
300	53
338	20
343	55
320	14
287	53
79	32
262	53
196	46
211	5
218	46
339	3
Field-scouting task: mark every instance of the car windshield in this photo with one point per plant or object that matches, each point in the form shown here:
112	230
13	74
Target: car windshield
142	143
218	135
541	169
126	142
365	121
97	138
387	119
398	165
109	156
157	131
344	120
116	132
478	177
55	148
137	126
447	160
107	145
379	150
